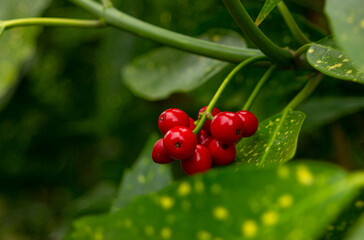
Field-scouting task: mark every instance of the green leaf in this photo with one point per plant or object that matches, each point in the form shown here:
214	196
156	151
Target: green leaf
347	22
295	201
145	177
275	141
164	71
357	232
16	45
321	111
269	5
328	59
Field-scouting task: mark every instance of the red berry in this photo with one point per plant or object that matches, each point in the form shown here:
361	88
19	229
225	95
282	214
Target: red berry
180	143
250	123
222	154
227	127
172	117
192	124
199	162
159	154
204	139
206	125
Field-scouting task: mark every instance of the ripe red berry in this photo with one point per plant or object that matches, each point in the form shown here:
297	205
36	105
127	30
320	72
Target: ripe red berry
222	154
192	124
226	127
199	162
250	123
172	117
206	125
204	139
180	143
159	154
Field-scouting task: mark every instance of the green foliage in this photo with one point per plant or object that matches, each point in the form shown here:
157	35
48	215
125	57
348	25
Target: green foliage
328	59
293	201
274	143
164	71
357	233
269	5
17	45
347	23
145	177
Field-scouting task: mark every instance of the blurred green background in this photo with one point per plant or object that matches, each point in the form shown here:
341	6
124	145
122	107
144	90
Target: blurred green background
72	127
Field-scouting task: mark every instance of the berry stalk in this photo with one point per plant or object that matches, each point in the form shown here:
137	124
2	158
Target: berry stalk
221	89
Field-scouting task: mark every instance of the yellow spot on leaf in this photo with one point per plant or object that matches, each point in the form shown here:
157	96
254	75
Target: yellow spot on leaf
184	189
340	56
334	66
99	235
285	201
349	71
318	61
345	60
220	213
283	172
128	223
166	202
141	179
149	230
270	218
304	176
362	23
310	50
249	228
166	233
203	235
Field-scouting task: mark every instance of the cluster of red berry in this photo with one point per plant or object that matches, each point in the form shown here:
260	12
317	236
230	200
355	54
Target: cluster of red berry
213	145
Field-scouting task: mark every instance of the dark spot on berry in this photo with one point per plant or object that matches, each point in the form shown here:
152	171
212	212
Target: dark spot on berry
238	132
177	145
162	118
224	146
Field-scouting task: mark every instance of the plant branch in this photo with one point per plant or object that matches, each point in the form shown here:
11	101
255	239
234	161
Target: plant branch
306	91
259	86
133	25
292	25
61	22
219	91
271	50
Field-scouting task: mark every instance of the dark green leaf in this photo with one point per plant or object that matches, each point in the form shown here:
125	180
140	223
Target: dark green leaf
321	111
275	141
295	201
269	5
164	71
16	45
347	23
328	59
145	177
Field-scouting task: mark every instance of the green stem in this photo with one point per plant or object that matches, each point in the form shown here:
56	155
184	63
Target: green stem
246	24
133	25
292	25
107	3
306	91
50	22
219	91
259	86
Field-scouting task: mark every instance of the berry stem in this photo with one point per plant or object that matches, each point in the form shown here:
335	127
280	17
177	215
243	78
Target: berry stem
306	91
292	25
277	54
118	19
219	91
259	86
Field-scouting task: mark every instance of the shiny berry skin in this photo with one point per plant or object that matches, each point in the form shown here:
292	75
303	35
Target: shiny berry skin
192	124
199	162
250	123
159	154
206	125
180	143
172	117
227	127
204	139
222	154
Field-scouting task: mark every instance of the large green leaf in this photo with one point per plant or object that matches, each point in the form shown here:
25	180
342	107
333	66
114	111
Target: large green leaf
295	201
275	141
16	45
269	5
145	177
164	71
321	111
347	23
325	57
